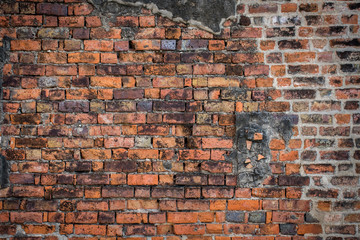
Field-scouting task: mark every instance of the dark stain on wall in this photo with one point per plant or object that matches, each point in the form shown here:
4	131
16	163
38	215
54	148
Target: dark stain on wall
4	53
4	58
4	172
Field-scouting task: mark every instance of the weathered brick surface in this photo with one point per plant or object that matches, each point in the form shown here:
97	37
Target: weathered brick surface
122	124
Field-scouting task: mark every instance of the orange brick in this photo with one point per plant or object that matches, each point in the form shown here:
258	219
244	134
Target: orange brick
278	70
216	45
150	33
71	21
183	217
142	179
164	70
143	153
289	156
26	94
26	20
309	229
277	144
39	229
109	58
214	228
142	204
169	142
61	70
52	57
244	205
26	45
101	33
83	9
288	7
216	143
143	45
97	45
209	69
108	82
90	229
147	21
342	118
267	45
299	57
86	70
189	229
93	21
292	169
95	154
206	217
127	21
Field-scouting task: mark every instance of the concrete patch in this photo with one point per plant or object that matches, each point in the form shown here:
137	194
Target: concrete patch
253	134
207	15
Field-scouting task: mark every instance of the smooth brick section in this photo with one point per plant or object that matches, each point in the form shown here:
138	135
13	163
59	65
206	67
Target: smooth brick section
118	123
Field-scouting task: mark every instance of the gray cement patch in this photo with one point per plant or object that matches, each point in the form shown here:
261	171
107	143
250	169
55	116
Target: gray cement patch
253	133
205	14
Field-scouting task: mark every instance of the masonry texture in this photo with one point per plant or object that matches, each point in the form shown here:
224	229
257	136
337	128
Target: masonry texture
180	119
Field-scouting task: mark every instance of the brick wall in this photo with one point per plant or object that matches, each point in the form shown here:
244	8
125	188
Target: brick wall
127	124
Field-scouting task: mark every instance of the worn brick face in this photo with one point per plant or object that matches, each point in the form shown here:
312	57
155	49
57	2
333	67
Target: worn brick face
120	123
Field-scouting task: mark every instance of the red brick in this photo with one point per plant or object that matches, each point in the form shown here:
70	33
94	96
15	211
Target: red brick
26	20
83	9
288	7
127	21
101	33
150	33
96	154
299	57
147	45
188	229
83	58
90	229
129	217
143	179
240	229
164	70
309	229
143	153
244	205
268	192
216	143
33	70
183	217
142	204
211	192
61	70
28	191
22	217
209	69
25	45
277	144
71	21
39	229
93	21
